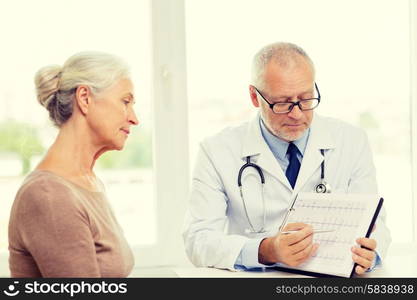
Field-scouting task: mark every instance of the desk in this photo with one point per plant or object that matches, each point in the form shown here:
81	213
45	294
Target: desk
401	261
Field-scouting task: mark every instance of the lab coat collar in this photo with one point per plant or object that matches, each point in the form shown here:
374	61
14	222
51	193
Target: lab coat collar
255	146
320	138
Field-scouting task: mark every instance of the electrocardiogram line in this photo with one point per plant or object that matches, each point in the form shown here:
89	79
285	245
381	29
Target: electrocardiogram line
329	258
325	223
330	241
330	207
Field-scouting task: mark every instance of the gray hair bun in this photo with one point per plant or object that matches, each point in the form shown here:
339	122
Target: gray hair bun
56	85
46	83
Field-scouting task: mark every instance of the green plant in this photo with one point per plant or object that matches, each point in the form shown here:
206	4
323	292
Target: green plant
136	154
20	138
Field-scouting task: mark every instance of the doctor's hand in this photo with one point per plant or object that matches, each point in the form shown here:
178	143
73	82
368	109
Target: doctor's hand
291	249
365	256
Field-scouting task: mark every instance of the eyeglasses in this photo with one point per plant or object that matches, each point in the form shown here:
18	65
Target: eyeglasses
286	107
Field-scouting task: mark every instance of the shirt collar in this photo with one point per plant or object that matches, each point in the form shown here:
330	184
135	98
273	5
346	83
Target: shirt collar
278	146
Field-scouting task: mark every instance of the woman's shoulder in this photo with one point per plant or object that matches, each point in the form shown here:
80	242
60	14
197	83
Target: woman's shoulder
41	188
40	181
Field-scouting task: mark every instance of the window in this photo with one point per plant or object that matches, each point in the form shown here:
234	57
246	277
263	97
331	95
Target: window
48	32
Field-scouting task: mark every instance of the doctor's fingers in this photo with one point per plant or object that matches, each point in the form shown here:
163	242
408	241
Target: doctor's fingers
301	245
296	226
298	236
367	243
305	254
365	253
360	270
363	262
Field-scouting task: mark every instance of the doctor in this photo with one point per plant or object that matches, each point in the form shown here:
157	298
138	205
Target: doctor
290	149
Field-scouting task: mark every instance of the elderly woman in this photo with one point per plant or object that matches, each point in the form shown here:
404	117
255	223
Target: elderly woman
61	224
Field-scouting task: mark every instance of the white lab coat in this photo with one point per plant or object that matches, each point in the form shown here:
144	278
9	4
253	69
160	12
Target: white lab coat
216	227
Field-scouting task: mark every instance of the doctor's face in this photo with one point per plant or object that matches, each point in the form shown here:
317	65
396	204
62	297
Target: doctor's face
289	83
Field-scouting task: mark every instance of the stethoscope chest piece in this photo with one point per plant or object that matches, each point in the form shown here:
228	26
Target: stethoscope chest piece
322	187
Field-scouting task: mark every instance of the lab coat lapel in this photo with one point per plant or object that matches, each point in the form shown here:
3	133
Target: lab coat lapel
319	138
255	146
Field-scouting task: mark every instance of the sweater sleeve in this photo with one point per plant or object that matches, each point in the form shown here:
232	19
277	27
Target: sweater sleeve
55	229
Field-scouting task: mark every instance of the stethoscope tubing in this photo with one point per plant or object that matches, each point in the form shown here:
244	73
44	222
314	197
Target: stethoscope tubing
322	187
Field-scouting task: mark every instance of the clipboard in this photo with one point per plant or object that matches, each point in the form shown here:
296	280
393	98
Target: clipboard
365	210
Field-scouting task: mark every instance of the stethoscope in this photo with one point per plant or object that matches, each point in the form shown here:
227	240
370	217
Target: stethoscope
321	187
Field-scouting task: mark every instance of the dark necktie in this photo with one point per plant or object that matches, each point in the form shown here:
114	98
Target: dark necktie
294	166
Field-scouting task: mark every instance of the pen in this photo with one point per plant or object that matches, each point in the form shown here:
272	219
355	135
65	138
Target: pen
315	231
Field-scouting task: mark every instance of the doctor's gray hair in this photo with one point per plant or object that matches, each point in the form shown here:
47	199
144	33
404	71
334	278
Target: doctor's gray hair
282	53
56	85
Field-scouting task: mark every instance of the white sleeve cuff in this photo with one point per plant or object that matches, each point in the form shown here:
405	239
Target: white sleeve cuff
248	257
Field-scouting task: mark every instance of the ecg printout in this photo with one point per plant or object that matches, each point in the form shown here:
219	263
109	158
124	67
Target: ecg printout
349	215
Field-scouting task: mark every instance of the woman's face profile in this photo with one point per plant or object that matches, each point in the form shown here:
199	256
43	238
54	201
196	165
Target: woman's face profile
112	115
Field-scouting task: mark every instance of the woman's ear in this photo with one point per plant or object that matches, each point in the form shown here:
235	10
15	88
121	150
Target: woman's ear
83	98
